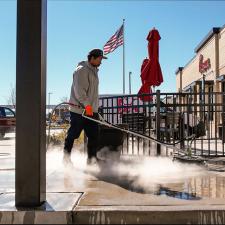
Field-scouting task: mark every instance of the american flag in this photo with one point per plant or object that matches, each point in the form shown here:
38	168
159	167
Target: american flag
114	42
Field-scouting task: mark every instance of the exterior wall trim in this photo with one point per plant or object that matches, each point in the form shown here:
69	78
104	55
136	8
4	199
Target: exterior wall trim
215	30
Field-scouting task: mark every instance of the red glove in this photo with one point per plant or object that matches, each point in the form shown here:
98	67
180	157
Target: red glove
89	110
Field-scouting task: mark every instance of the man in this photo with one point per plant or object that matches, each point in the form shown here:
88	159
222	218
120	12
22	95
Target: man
84	96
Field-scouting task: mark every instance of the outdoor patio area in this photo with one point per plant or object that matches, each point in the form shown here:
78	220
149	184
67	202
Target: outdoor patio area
134	190
110	114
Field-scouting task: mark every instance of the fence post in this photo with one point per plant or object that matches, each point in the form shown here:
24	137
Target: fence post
181	130
158	121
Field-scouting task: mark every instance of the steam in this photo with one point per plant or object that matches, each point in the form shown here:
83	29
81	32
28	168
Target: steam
141	174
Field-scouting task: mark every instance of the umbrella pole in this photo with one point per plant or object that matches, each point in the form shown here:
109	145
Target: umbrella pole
154	98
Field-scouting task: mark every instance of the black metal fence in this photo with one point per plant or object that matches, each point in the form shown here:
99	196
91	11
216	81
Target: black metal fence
195	120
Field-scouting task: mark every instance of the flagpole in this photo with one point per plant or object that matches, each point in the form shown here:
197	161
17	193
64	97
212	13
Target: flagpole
123	57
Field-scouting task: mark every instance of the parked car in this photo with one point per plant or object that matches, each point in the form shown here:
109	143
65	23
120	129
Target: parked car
66	117
7	121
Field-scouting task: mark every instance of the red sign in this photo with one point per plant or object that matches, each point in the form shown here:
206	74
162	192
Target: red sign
129	104
204	65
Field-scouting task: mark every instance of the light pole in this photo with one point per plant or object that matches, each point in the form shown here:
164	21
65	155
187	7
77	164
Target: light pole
130	82
49	95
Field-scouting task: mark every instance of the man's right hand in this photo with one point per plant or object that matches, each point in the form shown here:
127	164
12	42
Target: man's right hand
88	110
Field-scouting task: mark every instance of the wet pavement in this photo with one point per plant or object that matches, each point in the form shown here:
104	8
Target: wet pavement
133	190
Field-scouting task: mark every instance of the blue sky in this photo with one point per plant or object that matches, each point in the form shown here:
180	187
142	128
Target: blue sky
75	27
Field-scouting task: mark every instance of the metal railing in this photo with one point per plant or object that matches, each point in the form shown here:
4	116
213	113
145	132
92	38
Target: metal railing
194	120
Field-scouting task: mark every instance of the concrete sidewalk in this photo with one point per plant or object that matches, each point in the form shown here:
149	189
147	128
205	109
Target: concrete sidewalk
90	195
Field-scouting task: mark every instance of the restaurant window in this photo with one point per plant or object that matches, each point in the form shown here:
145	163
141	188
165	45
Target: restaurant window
223	91
190	100
200	92
201	107
210	96
223	86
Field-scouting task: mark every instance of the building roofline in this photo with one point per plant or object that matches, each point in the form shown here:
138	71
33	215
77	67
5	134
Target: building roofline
214	30
182	68
222	27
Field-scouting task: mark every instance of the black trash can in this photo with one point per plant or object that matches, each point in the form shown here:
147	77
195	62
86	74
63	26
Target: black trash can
110	142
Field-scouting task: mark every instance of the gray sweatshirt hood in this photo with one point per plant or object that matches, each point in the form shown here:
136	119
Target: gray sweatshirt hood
88	66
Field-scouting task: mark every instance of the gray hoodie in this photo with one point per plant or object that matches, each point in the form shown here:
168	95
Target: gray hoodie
84	90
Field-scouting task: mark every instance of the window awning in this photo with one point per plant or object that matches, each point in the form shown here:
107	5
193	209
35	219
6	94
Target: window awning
197	82
221	78
187	88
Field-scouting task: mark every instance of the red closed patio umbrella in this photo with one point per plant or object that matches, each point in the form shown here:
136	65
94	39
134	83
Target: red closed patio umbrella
151	74
145	88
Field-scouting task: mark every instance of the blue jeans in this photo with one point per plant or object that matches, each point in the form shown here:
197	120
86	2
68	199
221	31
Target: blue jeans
91	129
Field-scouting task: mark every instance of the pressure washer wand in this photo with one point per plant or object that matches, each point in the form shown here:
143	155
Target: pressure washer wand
102	121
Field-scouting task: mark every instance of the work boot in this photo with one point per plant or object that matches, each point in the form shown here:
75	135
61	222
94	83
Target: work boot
94	161
67	158
91	161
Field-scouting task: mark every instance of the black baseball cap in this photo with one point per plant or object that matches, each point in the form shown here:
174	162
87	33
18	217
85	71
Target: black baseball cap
97	53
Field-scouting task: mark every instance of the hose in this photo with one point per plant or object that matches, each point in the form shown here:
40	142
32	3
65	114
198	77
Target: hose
50	119
102	121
